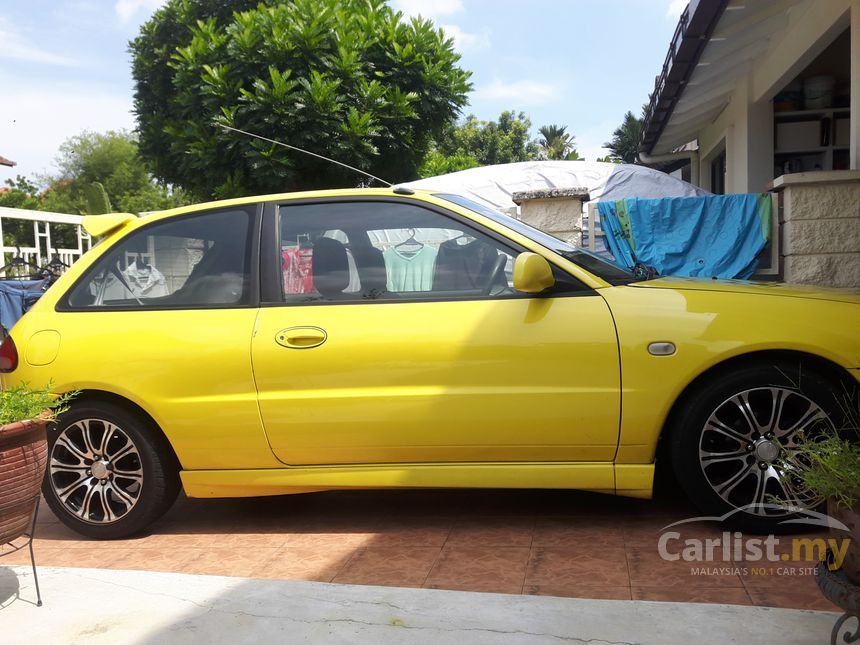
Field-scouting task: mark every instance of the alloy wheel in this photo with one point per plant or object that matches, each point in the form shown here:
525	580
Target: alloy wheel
748	449
96	471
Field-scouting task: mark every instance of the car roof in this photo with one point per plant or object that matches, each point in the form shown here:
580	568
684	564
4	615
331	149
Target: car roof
253	199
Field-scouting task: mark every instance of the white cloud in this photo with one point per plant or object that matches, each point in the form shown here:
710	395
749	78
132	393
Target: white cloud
525	92
466	40
429	8
676	8
127	9
17	47
35	121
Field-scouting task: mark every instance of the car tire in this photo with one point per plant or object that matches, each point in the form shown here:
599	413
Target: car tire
731	466
110	473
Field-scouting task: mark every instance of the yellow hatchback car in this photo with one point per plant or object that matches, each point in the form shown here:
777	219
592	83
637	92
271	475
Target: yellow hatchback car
395	338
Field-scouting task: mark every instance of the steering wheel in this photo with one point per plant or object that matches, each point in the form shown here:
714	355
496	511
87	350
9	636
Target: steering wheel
494	273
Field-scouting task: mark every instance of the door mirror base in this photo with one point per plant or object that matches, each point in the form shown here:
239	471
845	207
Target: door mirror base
532	273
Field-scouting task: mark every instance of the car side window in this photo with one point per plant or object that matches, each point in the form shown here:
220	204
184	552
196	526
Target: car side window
192	261
359	251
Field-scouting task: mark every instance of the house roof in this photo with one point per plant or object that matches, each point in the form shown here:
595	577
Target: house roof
7	162
715	43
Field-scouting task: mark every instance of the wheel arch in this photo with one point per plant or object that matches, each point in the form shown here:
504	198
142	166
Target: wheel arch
819	364
103	396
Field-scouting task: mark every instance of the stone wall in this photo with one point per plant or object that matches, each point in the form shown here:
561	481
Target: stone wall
820	238
557	211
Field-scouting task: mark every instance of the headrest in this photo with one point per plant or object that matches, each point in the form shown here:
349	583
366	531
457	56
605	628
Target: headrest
330	267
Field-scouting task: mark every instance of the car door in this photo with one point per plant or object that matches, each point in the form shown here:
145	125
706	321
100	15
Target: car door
394	335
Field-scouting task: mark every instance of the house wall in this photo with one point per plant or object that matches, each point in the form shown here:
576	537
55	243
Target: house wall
745	126
821	227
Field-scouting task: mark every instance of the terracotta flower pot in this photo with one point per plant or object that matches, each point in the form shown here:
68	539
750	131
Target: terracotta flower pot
23	457
850	517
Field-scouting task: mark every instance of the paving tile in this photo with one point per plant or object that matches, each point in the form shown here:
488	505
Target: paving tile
85	558
596	566
467	568
151	559
492	530
686	593
647	568
320	564
389	566
225	561
567	532
579	591
412	531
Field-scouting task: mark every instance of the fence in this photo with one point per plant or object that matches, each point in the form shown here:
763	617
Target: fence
42	249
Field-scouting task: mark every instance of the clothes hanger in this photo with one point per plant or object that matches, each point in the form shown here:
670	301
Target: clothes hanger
411	241
19	262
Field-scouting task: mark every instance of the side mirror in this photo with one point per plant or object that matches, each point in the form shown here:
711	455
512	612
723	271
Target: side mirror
532	273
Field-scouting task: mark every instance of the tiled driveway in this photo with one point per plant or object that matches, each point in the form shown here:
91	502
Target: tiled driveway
535	542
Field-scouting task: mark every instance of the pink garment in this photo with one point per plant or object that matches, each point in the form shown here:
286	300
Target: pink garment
298	270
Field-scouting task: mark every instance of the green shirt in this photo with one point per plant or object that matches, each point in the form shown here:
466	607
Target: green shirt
410	270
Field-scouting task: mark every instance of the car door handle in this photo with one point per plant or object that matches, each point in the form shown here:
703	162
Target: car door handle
301	337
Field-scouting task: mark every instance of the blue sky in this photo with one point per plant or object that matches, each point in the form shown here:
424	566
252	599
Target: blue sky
64	66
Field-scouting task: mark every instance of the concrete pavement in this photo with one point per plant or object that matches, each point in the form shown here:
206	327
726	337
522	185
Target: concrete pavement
96	606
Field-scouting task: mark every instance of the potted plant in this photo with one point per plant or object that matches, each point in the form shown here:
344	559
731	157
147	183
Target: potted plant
24	413
831	469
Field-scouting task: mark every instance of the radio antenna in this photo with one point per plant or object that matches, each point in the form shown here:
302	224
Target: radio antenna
307	152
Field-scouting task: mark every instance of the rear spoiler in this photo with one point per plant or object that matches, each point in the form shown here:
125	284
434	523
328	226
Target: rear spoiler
98	225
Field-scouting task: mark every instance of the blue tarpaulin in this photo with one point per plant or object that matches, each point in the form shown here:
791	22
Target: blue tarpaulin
709	236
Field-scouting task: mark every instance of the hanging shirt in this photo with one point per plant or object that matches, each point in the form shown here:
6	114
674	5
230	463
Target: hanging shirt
409	269
297	265
464	267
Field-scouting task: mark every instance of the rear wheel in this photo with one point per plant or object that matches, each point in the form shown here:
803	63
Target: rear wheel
110	474
734	446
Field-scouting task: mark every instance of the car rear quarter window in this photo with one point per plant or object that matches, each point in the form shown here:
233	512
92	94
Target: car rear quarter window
199	260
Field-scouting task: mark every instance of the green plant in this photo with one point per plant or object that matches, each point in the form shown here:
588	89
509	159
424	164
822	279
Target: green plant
20	403
827	462
832	468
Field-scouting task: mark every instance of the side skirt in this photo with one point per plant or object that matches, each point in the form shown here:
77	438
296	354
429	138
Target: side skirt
632	480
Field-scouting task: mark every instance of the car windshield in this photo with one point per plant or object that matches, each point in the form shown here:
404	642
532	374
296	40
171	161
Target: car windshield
596	264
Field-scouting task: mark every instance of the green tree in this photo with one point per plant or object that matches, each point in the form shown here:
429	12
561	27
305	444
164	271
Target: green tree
349	79
112	160
19	193
556	143
473	142
624	146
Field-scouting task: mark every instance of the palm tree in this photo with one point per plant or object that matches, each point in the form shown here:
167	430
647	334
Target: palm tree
624	146
556	142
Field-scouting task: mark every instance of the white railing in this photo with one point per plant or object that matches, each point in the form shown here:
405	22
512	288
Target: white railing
42	250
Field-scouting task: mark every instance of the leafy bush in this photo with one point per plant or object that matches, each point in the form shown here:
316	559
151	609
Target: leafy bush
20	403
832	468
828	463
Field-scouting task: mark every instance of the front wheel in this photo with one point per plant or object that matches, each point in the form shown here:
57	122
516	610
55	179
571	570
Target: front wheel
109	473
733	446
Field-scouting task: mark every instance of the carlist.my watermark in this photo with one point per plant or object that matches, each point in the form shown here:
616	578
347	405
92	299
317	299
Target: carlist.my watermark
733	553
